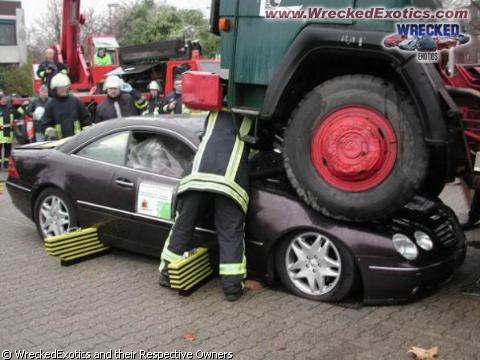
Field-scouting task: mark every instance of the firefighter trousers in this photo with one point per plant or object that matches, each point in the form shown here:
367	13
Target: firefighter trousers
474	213
229	225
5	150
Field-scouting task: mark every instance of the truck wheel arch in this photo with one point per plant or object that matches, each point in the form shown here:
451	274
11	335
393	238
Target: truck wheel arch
420	81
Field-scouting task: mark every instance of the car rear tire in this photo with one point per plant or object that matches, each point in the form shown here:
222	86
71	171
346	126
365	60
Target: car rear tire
316	266
54	213
365	156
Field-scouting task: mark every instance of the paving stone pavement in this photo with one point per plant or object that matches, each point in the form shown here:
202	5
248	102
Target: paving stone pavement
114	302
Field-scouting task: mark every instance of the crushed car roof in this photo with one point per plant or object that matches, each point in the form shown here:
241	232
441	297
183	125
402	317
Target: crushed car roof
190	126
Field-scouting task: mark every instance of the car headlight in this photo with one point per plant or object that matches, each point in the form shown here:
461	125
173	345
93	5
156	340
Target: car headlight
423	240
405	246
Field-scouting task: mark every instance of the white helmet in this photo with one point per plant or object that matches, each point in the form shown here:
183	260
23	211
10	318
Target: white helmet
60	80
153	86
113	81
38	113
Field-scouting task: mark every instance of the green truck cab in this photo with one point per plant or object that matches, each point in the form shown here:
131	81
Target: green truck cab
363	127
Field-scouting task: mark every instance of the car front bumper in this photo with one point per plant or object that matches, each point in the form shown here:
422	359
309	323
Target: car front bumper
400	284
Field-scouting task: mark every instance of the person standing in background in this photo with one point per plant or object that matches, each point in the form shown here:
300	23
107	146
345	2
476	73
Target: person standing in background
155	105
118	103
49	68
173	102
8	114
35	110
65	115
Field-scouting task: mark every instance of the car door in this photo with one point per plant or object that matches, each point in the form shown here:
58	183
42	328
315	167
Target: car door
144	190
95	165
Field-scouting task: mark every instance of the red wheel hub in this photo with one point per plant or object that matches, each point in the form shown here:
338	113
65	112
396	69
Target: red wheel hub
354	149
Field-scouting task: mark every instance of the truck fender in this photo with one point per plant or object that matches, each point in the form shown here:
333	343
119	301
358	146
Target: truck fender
422	81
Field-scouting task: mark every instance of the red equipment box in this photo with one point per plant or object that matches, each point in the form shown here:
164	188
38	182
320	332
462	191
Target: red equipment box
202	90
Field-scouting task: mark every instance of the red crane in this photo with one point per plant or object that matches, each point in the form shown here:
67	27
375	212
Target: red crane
82	70
70	50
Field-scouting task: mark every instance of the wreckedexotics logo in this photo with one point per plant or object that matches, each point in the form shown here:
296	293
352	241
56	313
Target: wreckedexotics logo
428	40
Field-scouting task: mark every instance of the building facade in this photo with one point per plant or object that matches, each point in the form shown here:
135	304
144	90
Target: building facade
13	39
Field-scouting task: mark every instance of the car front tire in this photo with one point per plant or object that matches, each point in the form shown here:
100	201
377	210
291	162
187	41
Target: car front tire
316	266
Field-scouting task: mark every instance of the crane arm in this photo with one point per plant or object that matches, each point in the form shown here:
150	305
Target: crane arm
71	21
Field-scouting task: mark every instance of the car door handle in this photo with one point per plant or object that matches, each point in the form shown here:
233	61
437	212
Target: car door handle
124	183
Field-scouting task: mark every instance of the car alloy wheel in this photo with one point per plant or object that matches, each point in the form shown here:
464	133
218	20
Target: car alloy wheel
313	263
54	216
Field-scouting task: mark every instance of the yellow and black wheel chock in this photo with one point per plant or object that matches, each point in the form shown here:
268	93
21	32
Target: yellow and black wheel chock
76	246
191	272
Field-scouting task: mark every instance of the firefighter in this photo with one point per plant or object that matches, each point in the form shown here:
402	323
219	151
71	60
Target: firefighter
8	114
102	58
173	102
219	176
64	114
119	103
49	68
35	110
155	104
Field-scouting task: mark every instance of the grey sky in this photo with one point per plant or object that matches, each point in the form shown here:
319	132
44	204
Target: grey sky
35	8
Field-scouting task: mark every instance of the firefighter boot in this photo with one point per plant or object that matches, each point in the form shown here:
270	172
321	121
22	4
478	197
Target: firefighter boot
233	287
164	279
234	296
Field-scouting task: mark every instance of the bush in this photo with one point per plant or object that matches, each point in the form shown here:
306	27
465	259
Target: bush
17	80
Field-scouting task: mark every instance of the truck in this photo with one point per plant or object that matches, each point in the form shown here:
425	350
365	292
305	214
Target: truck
361	128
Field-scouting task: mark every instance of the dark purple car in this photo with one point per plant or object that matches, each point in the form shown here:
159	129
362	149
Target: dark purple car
122	174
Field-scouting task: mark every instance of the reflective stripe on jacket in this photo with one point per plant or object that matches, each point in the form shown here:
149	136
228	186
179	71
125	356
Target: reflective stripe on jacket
221	163
7	116
67	115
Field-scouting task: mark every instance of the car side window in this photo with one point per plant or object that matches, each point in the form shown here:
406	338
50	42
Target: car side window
160	154
111	149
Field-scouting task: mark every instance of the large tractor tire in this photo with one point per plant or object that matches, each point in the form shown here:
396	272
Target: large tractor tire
354	148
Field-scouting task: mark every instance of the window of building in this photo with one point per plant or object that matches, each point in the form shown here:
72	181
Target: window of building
8	33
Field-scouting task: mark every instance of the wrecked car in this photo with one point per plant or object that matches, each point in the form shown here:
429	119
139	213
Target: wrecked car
121	176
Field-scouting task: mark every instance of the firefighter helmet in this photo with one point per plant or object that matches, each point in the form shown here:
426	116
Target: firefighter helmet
153	86
60	80
38	113
113	81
